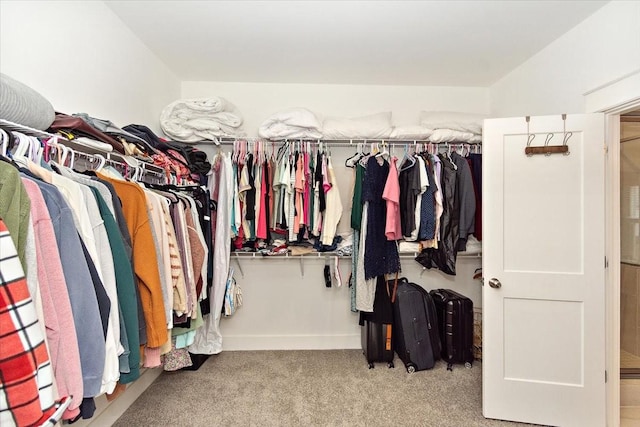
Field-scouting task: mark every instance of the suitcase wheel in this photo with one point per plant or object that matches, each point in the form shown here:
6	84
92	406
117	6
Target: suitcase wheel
467	365
391	365
411	369
370	365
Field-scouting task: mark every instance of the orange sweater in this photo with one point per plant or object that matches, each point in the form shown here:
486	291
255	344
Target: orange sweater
134	207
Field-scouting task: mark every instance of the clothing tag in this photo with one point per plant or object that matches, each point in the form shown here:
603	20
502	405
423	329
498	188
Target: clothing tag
207	218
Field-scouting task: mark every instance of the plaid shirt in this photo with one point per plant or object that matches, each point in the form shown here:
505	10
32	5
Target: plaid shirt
26	376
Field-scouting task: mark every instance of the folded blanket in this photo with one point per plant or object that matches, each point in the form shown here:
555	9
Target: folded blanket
409	247
375	126
194	120
411	132
294	123
462	122
448	135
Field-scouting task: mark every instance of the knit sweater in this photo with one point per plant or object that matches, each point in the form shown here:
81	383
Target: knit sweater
60	329
14	207
144	259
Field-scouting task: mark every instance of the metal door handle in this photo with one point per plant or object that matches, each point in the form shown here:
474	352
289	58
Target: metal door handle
495	283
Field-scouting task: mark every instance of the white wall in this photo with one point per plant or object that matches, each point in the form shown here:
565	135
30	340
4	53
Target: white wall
82	58
257	101
603	48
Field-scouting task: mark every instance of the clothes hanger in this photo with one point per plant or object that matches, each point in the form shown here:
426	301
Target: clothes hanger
352	161
4	143
384	153
407	161
101	161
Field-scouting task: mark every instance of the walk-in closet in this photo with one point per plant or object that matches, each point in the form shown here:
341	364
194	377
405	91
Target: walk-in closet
319	213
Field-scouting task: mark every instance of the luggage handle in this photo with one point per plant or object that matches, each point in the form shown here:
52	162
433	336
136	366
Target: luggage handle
392	295
388	340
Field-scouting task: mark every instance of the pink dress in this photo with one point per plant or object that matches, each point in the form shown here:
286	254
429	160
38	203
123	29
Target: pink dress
391	194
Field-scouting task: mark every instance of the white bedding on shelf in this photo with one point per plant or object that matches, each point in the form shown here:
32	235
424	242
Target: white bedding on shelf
374	126
194	120
411	132
294	123
448	135
461	122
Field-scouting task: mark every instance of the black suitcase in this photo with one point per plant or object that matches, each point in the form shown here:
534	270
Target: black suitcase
377	342
417	339
455	314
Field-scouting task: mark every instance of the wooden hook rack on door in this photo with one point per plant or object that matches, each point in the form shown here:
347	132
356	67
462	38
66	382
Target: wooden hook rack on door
547	149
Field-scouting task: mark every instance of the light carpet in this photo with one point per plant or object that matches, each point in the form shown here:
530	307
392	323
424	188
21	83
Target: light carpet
303	388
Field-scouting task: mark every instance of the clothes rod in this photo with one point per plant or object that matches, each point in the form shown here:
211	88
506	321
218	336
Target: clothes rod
81	149
340	142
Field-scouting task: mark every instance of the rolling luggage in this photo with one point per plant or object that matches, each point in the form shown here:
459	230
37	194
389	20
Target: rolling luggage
377	342
417	340
377	332
455	314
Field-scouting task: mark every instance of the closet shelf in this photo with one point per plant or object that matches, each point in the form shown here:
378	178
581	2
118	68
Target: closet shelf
340	142
82	148
403	255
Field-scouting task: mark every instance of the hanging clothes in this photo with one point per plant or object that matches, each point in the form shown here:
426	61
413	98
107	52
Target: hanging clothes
208	339
333	211
475	163
381	255
58	316
145	264
26	387
444	257
466	200
391	194
83	300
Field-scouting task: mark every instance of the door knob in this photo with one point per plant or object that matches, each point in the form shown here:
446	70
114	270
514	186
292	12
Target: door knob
495	283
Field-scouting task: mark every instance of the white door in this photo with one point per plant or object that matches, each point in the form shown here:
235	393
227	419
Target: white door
543	230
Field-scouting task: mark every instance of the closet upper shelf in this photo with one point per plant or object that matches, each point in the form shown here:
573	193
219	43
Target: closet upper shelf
80	148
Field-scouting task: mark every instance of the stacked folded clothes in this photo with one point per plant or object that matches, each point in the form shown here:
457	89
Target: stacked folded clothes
195	120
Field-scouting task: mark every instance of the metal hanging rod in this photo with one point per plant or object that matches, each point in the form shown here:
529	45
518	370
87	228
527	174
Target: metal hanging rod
339	142
83	150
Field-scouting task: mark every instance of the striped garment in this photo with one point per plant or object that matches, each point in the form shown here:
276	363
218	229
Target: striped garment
26	376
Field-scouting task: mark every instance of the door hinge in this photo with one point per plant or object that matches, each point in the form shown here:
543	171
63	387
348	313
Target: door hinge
606	262
606	150
606	377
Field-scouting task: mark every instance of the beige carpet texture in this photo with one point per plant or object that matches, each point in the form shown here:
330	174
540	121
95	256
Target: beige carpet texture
311	388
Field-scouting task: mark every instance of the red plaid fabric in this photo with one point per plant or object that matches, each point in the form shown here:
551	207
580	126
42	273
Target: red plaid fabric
26	376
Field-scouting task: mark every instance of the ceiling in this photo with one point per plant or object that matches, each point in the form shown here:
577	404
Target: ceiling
430	43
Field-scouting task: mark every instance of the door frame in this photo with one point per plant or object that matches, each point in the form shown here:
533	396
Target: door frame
617	97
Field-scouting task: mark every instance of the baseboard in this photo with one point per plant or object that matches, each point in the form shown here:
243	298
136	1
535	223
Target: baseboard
290	342
108	412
